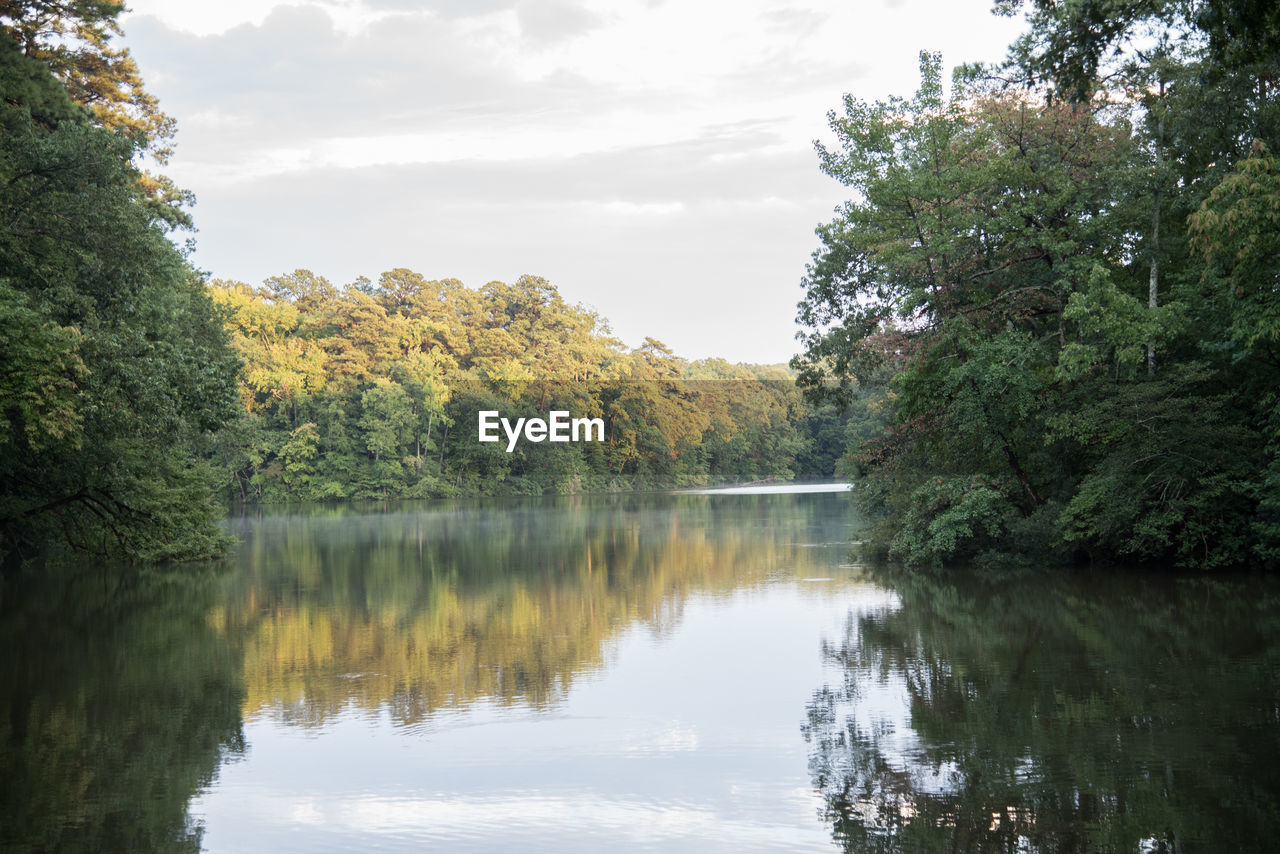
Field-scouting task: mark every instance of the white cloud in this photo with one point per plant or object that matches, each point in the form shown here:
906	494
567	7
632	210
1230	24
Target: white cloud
631	151
636	208
214	18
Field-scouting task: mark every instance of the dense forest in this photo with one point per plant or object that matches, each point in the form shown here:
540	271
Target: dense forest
1059	278
137	397
114	366
1046	323
373	390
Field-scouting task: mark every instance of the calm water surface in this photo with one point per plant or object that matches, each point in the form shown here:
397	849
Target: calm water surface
688	672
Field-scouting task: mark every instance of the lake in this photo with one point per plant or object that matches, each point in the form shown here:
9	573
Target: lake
703	671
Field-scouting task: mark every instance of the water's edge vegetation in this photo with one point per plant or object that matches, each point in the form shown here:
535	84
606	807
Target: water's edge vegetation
1046	324
1060	276
373	391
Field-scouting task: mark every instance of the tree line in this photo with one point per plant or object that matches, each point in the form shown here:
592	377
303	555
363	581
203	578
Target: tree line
373	390
1047	322
137	397
1059	279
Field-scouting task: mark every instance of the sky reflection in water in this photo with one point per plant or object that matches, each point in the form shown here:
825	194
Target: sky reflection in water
676	672
537	676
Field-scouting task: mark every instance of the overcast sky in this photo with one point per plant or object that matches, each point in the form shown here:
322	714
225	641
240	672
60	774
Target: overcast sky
654	160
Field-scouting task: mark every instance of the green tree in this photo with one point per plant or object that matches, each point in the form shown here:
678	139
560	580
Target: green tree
124	364
72	39
977	217
1018	262
1237	233
388	419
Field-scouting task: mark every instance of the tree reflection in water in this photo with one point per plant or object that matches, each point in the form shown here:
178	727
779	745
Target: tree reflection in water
411	613
118	702
122	692
1052	714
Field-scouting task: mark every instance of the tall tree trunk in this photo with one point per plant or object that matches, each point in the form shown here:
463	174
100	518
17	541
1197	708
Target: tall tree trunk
1153	283
431	417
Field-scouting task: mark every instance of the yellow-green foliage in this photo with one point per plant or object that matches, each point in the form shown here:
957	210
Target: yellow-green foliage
373	389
